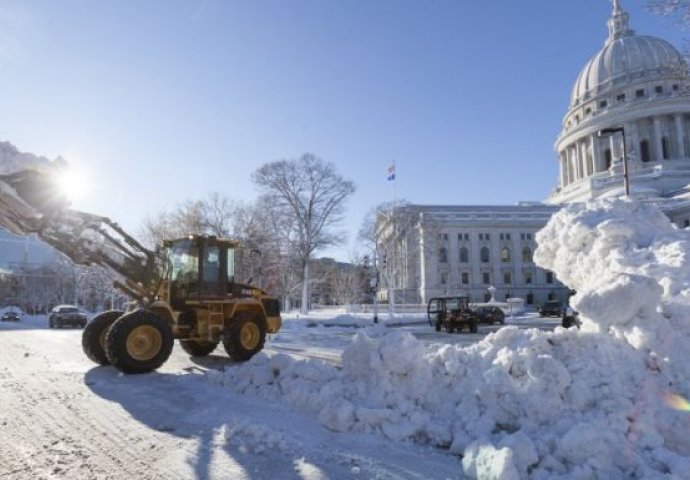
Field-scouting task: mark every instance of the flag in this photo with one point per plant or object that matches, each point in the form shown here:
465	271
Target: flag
391	172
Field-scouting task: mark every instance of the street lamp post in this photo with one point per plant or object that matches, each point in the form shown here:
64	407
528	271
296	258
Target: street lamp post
610	131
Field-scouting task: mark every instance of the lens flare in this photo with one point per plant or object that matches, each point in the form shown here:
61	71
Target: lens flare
677	402
72	184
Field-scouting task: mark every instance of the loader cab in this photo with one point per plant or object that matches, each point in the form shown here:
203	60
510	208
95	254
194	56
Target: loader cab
199	268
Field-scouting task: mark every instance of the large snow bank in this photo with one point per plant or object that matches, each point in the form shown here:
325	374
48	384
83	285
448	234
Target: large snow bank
12	160
526	403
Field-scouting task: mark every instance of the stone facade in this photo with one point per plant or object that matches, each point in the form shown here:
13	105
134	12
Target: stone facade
435	250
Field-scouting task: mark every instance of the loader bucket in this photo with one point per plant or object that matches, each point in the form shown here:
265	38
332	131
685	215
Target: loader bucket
26	197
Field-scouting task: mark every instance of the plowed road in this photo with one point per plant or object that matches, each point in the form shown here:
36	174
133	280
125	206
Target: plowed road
63	417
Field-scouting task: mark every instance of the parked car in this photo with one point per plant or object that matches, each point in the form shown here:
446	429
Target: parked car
66	315
11	316
551	308
486	314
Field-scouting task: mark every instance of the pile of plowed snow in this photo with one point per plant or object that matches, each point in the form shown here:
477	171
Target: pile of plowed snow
12	160
590	403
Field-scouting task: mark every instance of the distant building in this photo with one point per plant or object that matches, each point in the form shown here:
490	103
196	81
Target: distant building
634	90
435	250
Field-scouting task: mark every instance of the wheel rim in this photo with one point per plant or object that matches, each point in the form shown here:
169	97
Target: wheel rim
249	336
144	343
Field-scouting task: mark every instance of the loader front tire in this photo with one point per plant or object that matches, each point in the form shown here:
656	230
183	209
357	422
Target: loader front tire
196	348
139	342
244	335
93	336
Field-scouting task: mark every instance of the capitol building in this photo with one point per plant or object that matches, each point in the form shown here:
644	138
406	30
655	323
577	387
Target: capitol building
627	130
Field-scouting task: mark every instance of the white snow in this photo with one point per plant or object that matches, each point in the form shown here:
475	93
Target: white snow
605	401
12	160
528	403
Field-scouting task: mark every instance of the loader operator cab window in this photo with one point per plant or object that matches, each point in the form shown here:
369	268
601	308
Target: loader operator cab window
184	261
231	269
211	270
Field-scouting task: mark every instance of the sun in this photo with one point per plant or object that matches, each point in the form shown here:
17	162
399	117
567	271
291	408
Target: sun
72	184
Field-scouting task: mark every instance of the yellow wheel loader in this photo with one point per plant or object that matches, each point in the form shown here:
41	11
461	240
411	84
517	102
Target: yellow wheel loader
190	289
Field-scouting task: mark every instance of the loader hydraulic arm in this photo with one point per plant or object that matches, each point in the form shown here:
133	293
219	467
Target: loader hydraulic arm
30	202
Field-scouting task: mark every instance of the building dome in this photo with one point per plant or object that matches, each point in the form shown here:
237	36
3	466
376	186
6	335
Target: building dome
625	59
628	122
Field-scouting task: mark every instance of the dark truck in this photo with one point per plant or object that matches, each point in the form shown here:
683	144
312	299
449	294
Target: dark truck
551	308
452	313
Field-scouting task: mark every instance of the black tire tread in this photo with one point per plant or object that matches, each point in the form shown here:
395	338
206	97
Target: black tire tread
90	337
231	340
116	342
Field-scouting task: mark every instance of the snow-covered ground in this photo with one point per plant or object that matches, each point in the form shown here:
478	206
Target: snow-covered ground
334	395
63	417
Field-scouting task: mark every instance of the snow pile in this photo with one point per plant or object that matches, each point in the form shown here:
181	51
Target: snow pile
12	160
525	403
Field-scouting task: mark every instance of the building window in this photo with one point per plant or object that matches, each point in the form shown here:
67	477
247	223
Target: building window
549	277
621	97
443	255
644	151
486	278
507	278
675	87
686	224
522	236
464	255
505	254
607	158
659	89
444	277
530	298
465	278
529	236
487	236
528	277
459	236
484	256
507	236
445	236
526	255
603	104
588	111
467	236
501	236
640	93
481	236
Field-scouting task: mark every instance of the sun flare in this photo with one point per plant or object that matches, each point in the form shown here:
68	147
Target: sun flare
73	185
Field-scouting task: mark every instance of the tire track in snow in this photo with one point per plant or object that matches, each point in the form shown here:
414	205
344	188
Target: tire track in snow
60	431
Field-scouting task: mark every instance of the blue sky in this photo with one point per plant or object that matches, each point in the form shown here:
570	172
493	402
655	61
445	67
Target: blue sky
157	102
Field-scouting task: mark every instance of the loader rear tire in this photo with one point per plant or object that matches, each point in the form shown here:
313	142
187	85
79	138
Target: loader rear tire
93	336
244	336
198	349
139	342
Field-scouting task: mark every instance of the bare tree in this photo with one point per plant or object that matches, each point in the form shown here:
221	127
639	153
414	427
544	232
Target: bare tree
211	216
673	8
311	194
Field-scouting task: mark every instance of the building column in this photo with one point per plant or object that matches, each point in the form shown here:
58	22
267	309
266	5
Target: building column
563	164
680	138
632	143
596	153
658	149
